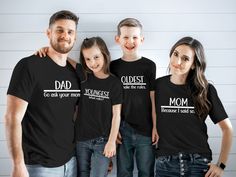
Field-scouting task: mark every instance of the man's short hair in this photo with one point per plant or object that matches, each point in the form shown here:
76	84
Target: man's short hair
63	15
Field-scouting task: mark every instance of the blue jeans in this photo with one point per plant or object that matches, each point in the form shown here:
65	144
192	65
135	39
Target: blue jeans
183	165
90	158
134	144
67	170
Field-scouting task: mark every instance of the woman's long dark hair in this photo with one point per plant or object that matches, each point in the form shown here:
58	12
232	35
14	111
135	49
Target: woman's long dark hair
196	80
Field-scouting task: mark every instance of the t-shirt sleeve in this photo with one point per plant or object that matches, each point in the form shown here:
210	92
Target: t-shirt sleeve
117	93
22	81
217	112
152	76
80	72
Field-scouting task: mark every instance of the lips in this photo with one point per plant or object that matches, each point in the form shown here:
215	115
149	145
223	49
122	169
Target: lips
129	48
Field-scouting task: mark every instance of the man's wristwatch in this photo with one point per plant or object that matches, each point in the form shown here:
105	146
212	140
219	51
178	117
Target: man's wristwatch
221	165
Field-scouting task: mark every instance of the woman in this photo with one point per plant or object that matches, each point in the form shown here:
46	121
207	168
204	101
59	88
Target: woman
184	99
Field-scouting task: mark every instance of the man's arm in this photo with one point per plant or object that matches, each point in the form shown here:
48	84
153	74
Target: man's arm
16	108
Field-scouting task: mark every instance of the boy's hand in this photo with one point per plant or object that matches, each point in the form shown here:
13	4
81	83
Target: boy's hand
118	139
155	136
110	150
42	52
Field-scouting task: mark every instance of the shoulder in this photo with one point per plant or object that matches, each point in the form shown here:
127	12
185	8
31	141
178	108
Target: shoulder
148	61
80	71
211	89
162	79
116	61
28	62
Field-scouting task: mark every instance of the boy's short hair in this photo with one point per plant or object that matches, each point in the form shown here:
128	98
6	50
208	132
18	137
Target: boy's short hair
129	22
63	15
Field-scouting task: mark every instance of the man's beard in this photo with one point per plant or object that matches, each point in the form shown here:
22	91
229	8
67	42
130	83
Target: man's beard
61	49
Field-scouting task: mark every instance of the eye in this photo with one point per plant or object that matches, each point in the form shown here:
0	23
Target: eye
96	57
87	59
59	31
175	54
184	58
135	37
126	37
70	32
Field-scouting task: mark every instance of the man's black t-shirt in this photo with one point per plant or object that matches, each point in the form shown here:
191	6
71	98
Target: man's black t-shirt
52	92
95	107
137	78
179	128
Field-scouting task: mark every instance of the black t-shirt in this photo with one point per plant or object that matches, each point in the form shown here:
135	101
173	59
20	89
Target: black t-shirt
95	107
52	92
137	78
179	128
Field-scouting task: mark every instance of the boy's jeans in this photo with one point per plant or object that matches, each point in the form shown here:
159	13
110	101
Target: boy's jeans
90	157
67	170
183	165
138	145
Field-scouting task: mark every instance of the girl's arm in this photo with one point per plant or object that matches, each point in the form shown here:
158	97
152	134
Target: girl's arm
227	137
155	135
110	147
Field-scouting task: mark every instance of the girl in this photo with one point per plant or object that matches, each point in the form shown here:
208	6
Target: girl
184	99
98	118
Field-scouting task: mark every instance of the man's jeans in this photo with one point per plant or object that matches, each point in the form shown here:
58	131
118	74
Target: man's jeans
67	170
138	145
91	159
182	165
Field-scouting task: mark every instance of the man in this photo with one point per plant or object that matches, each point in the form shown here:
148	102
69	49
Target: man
41	101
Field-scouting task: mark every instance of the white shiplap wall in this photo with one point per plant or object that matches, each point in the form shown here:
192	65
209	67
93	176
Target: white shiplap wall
23	25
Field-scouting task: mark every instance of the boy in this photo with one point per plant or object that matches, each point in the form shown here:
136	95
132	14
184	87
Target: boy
138	127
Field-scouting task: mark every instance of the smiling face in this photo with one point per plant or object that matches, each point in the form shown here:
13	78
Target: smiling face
62	35
94	60
181	61
129	39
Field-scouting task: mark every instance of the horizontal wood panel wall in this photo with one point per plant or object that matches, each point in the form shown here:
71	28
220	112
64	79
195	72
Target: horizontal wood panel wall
23	26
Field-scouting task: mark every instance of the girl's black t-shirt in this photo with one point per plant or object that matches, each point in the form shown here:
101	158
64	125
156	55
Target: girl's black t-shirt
95	106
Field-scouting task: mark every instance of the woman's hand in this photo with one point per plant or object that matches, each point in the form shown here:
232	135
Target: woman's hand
214	171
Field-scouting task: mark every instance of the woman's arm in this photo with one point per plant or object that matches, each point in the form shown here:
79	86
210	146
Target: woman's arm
110	148
227	137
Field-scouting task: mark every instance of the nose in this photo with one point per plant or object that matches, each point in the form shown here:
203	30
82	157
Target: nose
130	40
65	35
179	61
92	62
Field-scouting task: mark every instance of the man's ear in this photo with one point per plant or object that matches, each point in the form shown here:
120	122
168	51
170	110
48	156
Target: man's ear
117	39
48	32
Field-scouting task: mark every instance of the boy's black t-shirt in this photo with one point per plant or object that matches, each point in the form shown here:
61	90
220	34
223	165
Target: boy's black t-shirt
95	107
52	92
179	128
137	78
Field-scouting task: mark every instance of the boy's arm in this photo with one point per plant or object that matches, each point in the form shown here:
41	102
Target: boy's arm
16	108
155	135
